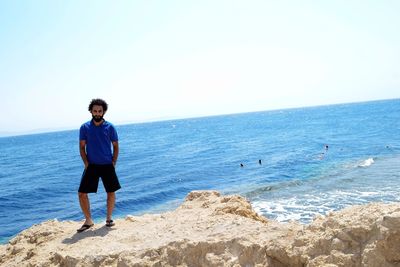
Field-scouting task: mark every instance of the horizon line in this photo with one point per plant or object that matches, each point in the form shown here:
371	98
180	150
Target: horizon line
173	118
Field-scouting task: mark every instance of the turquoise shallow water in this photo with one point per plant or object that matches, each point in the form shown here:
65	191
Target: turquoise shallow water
161	162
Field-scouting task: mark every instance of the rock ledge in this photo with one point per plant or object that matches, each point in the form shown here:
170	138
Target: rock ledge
213	230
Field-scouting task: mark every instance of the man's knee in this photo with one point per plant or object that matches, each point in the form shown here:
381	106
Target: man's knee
82	195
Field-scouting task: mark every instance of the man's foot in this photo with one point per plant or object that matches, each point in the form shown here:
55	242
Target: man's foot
84	227
110	223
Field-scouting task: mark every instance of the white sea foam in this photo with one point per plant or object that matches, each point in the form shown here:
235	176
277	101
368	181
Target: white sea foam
285	210
366	163
305	207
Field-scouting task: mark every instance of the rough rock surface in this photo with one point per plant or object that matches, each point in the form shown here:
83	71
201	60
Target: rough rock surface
213	230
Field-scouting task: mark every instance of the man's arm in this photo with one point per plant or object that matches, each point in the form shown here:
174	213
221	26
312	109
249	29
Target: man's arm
82	151
115	152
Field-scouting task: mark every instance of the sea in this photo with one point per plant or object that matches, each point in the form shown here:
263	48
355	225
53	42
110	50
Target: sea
291	164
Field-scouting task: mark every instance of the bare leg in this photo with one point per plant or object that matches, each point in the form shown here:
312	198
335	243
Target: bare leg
85	206
110	204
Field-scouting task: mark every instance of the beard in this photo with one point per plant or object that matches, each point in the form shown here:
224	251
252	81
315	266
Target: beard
97	118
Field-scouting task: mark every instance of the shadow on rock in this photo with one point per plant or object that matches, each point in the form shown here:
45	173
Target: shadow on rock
103	231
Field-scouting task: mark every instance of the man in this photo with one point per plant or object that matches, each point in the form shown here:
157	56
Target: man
95	140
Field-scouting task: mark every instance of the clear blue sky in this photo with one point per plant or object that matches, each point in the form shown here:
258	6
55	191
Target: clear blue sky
165	59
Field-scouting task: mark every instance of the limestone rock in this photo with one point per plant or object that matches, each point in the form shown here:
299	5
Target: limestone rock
213	230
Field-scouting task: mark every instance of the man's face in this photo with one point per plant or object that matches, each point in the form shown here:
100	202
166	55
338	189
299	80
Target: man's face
97	113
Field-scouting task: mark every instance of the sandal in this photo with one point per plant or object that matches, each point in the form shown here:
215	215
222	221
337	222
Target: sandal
110	223
84	227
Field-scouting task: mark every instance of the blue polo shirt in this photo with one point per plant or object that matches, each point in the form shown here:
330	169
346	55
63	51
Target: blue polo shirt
98	141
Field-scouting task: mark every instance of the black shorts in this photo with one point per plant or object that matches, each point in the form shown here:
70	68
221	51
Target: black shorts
91	175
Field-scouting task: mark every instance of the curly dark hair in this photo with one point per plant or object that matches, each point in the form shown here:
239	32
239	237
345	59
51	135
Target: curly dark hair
98	102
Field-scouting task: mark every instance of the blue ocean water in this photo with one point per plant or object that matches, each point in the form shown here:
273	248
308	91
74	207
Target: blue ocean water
161	162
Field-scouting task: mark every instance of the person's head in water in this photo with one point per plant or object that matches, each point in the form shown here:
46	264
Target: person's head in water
241	165
98	108
259	161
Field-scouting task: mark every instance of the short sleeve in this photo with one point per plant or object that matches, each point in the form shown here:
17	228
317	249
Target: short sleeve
82	133
113	134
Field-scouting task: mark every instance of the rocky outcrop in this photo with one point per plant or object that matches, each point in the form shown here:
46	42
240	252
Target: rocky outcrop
213	230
